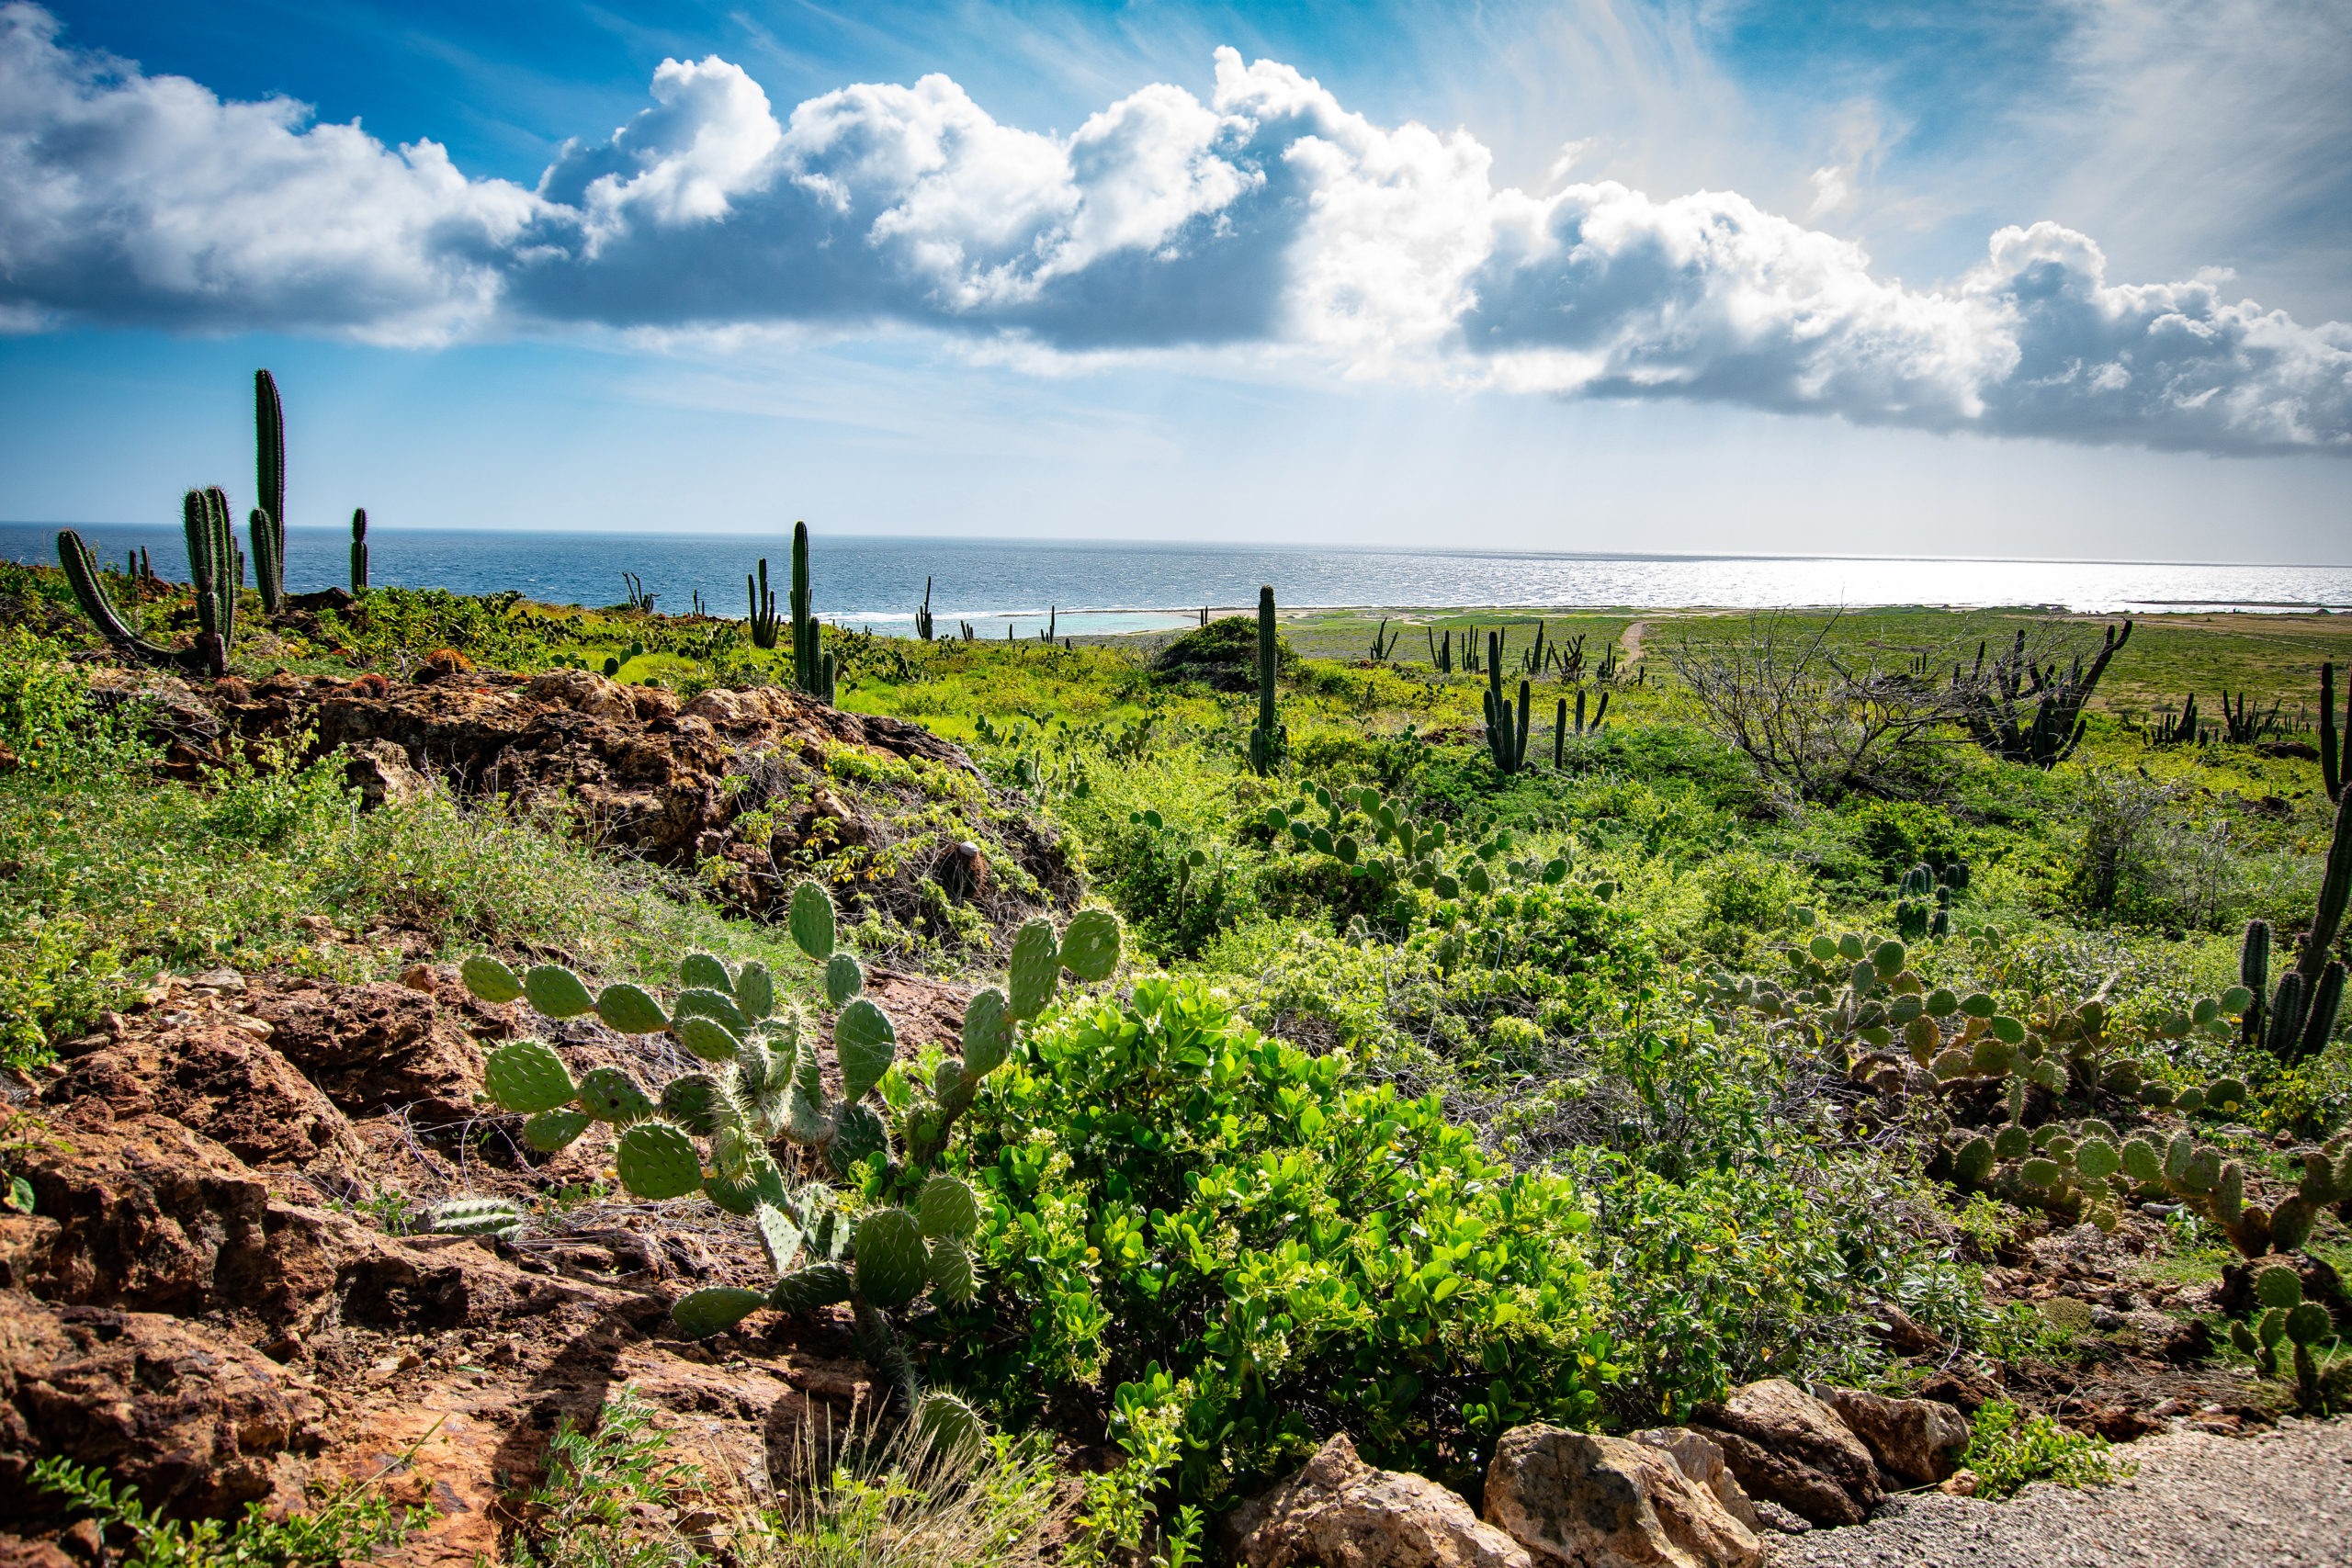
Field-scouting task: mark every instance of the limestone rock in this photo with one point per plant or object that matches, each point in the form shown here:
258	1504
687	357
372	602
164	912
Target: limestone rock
1917	1439
1787	1446
1701	1460
369	1047
1585	1501
380	772
1338	1512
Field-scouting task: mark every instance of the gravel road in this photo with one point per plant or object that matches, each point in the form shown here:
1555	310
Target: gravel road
2281	1500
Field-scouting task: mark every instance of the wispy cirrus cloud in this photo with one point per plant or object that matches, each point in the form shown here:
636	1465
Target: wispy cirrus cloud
1267	218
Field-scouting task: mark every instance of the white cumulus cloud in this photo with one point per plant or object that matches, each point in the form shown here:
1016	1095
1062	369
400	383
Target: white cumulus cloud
1268	218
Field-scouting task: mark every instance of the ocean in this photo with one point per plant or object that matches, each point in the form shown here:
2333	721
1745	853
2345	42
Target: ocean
863	580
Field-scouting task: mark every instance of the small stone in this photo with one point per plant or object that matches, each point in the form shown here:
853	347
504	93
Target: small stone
221	980
1959	1484
418	977
1773	1516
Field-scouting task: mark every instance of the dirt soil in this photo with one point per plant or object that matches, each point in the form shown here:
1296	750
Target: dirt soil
209	1302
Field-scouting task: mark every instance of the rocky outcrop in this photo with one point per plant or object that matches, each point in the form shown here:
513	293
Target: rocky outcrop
1701	1460
1917	1441
737	785
1585	1501
1338	1512
1789	1447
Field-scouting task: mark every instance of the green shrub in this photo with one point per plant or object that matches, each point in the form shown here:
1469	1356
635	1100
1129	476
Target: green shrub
1180	1202
2009	1449
353	1521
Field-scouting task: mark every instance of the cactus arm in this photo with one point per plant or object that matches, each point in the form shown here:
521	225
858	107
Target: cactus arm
2319	1023
268	519
359	550
89	588
2335	892
2331	756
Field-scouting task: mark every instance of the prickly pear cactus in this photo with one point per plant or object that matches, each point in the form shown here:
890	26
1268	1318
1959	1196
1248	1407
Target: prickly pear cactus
488	978
892	1264
524	1076
610	1094
811	921
713	1309
628	1009
705	971
556	991
844	977
1089	947
656	1160
550	1130
1036	968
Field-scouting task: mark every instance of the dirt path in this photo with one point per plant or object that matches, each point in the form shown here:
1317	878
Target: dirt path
1632	637
2282	1500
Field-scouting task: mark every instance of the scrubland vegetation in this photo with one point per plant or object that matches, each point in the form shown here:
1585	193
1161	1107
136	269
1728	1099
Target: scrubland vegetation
1432	1096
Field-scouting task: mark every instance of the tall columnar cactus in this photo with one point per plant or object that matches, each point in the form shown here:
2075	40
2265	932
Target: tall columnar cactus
812	666
2302	1012
922	615
1440	650
1382	643
2254	974
359	550
90	588
2332	741
1270	741
268	520
765	624
217	568
1991	702
1563	725
2246	723
1506	740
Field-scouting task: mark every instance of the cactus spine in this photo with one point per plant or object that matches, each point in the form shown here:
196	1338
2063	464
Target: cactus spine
1270	742
764	621
268	520
812	666
359	550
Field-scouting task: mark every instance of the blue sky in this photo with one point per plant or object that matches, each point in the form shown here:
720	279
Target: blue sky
1879	279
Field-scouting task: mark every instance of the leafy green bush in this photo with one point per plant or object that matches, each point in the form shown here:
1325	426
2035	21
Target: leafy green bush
1175	1197
2009	1449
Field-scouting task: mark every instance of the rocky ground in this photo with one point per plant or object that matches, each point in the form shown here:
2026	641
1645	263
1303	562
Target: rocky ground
2282	1500
208	1303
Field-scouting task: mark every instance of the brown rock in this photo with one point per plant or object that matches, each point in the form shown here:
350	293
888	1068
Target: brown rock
1787	1446
1338	1512
1917	1439
188	1418
1594	1502
383	1046
213	1077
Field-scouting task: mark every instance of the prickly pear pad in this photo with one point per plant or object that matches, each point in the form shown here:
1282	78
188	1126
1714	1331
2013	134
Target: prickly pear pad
707	1038
488	978
552	1130
812	921
806	1289
843	978
946	1207
1036	966
1091	944
702	1002
762	1183
865	1043
524	1076
707	1312
893	1265
778	1235
951	1270
705	970
755	991
694	1103
858	1133
629	1010
988	1032
556	991
610	1094
656	1160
